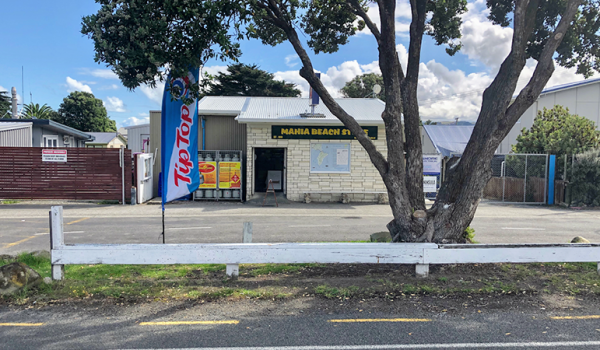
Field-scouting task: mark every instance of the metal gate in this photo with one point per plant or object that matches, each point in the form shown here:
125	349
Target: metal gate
518	178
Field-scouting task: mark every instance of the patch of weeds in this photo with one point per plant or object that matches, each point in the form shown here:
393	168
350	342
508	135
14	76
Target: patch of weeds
107	202
469	235
409	289
443	279
270	269
332	292
9	201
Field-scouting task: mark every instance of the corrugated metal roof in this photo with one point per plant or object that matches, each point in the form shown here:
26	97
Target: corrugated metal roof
448	139
102	137
10	126
569	85
147	125
221	105
289	109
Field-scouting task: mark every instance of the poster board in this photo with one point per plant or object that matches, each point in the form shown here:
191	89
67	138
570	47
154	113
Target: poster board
330	157
230	175
208	174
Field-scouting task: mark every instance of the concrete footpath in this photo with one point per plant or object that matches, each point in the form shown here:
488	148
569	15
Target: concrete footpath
24	226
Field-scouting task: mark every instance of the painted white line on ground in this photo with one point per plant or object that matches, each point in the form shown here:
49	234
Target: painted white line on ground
524	228
46	233
309	226
186	228
412	346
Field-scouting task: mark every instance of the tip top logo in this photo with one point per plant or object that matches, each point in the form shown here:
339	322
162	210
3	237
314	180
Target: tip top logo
180	87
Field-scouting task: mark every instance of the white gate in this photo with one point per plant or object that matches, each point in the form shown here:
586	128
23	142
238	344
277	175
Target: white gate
144	177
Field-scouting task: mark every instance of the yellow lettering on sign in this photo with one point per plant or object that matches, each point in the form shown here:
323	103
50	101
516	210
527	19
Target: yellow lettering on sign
284	131
336	131
314	131
367	131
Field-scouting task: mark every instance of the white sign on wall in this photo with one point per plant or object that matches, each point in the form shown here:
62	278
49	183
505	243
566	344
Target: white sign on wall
54	155
429	184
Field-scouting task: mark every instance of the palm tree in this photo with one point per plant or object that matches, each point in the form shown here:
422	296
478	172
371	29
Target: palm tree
34	110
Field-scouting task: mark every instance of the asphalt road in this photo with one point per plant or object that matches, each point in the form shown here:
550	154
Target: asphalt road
200	327
24	227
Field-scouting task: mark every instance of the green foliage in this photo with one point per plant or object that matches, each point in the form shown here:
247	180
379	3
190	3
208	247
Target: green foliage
139	39
362	86
469	235
4	104
581	45
556	131
585	182
35	110
248	80
82	111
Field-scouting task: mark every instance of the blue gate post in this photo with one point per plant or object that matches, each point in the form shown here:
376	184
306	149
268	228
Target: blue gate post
551	171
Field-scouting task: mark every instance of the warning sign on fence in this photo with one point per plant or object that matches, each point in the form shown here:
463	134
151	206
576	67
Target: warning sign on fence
54	155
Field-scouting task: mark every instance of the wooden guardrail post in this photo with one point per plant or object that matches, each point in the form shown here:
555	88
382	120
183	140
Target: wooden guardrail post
233	270
57	239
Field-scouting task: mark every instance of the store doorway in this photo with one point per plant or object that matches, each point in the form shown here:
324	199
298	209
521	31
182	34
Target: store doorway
269	164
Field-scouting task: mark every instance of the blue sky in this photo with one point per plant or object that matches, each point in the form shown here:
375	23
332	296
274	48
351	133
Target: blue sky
58	59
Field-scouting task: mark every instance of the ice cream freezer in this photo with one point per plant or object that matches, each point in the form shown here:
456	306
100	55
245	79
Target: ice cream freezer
220	175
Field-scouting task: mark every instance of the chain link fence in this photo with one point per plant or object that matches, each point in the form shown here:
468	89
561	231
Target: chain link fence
518	178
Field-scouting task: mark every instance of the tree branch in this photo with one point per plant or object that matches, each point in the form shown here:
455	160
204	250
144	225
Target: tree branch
544	68
372	26
308	73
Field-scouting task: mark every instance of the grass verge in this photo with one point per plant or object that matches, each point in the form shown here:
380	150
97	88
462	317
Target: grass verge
133	283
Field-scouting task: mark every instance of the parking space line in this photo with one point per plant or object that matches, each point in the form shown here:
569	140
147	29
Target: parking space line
179	323
11	324
357	320
187	228
76	221
586	317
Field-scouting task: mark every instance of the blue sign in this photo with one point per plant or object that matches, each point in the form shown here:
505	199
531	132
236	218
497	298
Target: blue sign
179	140
314	97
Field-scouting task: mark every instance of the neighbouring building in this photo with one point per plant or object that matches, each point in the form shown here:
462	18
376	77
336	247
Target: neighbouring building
581	98
40	133
107	140
280	138
138	138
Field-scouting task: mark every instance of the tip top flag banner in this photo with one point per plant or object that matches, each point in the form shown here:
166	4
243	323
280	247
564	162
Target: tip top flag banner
179	136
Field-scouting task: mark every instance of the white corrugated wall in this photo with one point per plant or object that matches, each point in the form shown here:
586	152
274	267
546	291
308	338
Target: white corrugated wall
20	137
135	138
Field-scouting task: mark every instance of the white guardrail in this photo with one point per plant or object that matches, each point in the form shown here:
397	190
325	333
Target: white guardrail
233	254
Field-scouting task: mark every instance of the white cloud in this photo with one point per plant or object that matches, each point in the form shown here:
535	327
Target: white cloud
402	14
101	73
291	60
109	87
74	85
114	104
135	121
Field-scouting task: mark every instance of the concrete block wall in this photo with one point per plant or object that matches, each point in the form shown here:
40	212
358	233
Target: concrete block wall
362	177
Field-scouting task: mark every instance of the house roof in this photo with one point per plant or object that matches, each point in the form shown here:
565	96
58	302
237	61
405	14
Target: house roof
289	109
12	126
569	86
449	139
103	137
136	126
52	125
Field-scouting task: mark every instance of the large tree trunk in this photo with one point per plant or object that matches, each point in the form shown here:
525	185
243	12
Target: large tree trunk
459	196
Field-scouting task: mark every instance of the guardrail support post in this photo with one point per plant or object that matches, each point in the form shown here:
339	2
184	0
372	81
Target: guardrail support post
232	270
598	269
422	270
57	239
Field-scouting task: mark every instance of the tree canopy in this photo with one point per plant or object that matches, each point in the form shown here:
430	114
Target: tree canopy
82	111
5	104
35	110
362	86
141	38
556	131
248	80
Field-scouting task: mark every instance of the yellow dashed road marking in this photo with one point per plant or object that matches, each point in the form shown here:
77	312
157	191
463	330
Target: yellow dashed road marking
177	323
381	320
8	245
76	221
588	317
21	324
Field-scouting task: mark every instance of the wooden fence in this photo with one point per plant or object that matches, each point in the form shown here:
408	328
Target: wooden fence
514	189
88	173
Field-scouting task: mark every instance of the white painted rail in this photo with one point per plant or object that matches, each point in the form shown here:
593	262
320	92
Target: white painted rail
420	254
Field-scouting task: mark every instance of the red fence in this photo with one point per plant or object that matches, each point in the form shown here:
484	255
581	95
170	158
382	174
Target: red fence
88	173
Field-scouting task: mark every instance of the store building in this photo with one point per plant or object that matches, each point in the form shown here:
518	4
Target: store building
305	155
